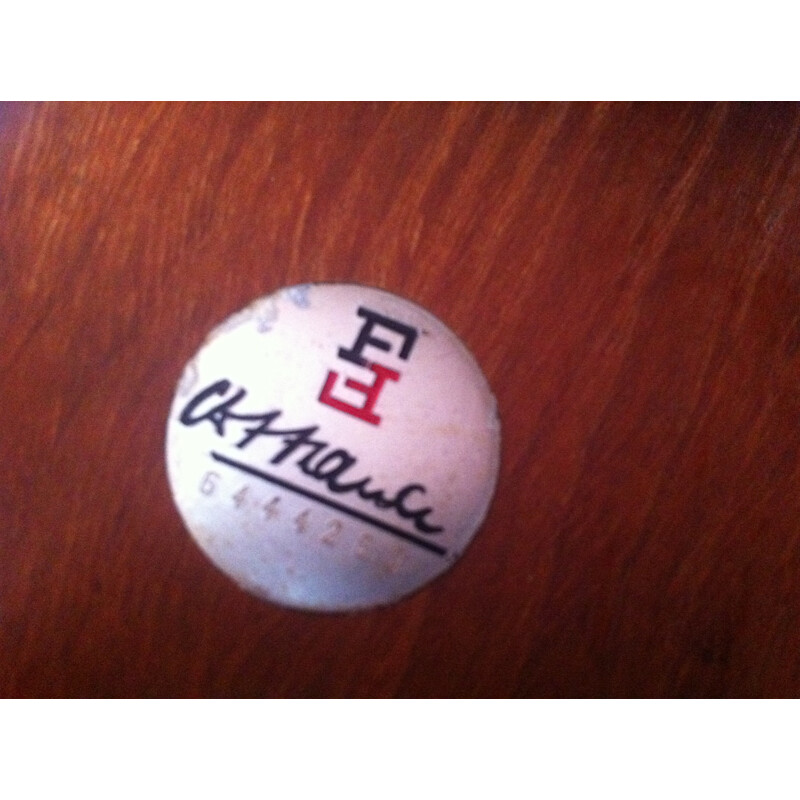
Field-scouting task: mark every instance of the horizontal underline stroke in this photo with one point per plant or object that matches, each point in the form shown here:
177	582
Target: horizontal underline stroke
265	476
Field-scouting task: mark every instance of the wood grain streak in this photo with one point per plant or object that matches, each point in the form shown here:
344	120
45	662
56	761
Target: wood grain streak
627	275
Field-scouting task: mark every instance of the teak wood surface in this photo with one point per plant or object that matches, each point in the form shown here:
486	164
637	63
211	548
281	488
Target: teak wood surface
628	277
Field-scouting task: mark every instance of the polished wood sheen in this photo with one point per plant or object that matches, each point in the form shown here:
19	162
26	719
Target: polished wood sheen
628	277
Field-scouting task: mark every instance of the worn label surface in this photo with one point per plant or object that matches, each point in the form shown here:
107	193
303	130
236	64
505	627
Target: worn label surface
333	447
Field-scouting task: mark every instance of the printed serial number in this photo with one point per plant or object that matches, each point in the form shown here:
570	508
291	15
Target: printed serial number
310	523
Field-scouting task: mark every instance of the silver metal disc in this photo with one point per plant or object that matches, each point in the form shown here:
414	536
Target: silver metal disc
333	447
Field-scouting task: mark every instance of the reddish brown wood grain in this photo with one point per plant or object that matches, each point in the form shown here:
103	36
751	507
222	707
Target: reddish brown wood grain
628	278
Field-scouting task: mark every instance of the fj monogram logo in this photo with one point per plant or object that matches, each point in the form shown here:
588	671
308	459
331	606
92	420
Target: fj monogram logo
405	336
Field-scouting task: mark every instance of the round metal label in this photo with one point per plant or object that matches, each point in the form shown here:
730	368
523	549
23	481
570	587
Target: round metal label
333	447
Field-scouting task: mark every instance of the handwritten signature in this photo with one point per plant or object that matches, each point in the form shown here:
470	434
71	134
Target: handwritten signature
320	461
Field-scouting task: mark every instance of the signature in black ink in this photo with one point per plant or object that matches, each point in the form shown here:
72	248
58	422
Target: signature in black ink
320	461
